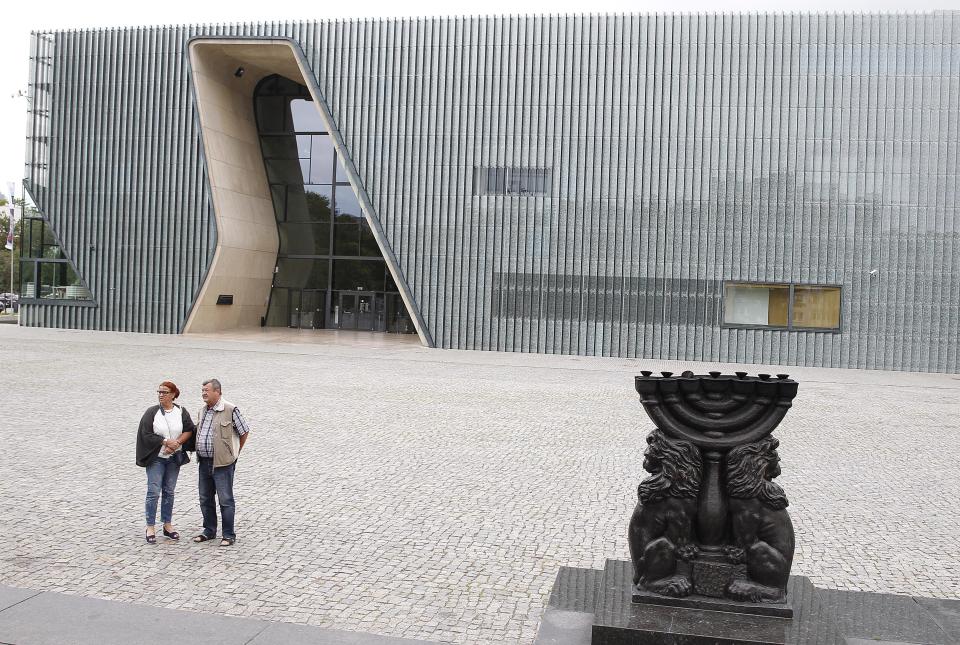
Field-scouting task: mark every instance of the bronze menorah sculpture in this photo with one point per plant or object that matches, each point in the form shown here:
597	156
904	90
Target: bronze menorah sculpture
710	521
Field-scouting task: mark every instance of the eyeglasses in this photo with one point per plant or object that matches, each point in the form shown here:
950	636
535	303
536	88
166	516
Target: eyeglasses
162	392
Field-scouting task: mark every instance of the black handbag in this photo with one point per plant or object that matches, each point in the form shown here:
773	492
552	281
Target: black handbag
181	455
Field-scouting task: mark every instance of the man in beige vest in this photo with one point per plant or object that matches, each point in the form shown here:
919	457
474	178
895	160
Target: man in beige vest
221	433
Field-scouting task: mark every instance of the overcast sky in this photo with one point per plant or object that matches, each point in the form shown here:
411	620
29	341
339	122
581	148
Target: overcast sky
21	17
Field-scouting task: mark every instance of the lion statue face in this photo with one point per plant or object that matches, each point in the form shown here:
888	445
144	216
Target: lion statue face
674	466
750	471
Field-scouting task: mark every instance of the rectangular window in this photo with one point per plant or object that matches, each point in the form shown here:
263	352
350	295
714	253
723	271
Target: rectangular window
816	307
50	280
782	306
512	181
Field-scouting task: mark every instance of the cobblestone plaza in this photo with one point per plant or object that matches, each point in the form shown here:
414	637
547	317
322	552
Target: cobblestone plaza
398	490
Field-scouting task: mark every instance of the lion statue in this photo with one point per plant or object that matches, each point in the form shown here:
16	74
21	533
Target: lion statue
661	528
761	528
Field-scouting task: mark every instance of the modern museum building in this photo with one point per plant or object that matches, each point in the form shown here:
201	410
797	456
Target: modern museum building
717	187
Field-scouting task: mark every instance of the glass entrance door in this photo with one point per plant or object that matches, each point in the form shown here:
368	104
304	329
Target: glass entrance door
357	310
306	308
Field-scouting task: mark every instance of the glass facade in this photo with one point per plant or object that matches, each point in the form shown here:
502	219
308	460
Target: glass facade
45	272
330	272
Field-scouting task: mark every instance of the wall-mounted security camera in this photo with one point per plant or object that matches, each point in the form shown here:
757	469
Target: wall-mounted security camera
874	271
239	72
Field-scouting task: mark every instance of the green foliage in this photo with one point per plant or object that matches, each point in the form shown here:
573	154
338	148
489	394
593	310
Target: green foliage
5	255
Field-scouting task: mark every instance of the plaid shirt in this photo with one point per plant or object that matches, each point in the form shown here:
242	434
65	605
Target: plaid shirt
205	428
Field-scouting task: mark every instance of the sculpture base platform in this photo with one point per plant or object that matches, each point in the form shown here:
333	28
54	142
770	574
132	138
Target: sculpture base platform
709	603
594	607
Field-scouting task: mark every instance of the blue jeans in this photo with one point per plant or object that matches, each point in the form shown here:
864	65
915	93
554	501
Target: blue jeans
219	481
161	478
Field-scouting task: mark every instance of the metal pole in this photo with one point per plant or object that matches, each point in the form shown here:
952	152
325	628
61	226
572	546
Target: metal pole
10	224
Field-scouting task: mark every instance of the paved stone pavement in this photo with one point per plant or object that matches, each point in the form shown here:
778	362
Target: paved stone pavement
417	493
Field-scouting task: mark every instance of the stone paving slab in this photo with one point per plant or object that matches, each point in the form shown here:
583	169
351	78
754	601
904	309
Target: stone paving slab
288	634
60	619
44	618
428	494
10	596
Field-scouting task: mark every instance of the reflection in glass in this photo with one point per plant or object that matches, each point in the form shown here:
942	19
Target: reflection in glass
347	238
347	203
279	147
306	117
368	244
319	218
303	146
279	195
278	315
300	272
341	171
270	113
322	156
358	275
308	204
304	238
284	171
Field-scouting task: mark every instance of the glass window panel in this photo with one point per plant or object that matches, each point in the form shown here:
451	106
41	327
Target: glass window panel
303	145
319	199
284	171
389	283
58	281
296	205
279	313
308	203
756	304
33	246
28	279
368	243
322	156
306	117
50	249
398	321
278	147
347	240
816	307
304	238
301	273
358	275
270	113
279	196
346	203
512	181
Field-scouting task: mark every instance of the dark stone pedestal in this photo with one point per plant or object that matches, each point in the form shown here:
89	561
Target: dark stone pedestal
702	620
821	617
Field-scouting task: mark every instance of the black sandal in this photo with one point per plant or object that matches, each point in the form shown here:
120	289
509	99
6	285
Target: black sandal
203	538
151	539
227	541
173	535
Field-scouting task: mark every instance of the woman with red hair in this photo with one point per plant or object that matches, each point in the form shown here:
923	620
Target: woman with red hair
163	430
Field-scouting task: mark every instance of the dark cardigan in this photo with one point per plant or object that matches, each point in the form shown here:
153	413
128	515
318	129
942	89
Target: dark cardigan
149	442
